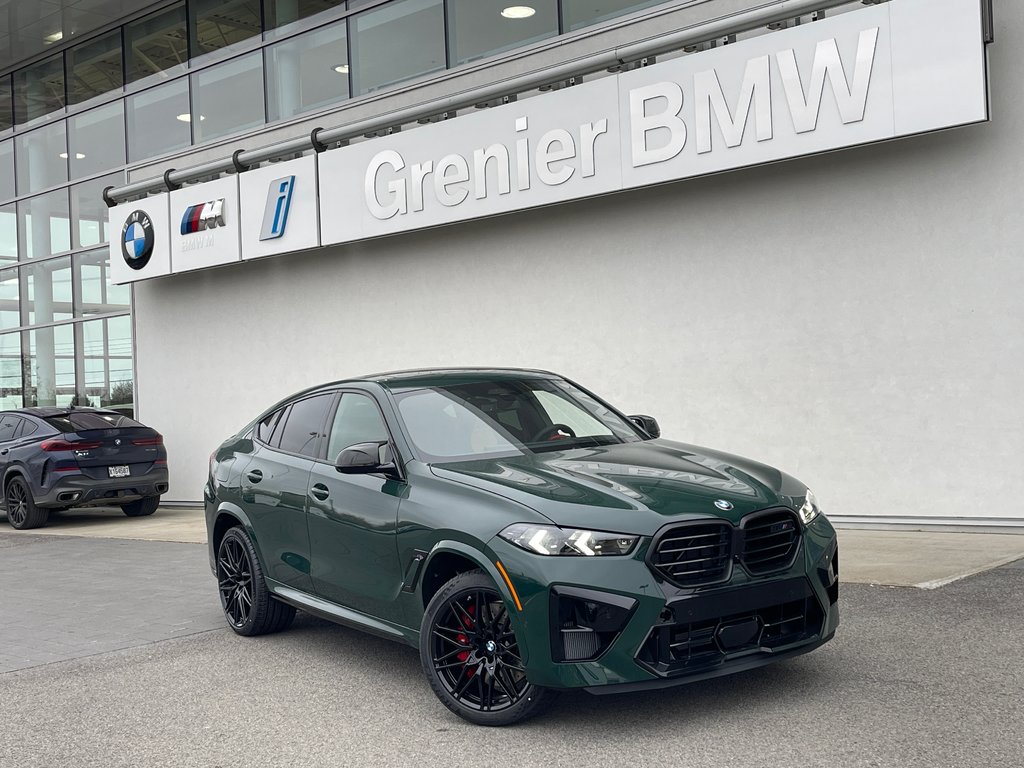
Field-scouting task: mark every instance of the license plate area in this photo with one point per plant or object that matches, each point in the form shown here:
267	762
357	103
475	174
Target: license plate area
119	470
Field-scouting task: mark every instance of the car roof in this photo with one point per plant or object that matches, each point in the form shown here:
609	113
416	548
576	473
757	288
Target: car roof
435	377
43	411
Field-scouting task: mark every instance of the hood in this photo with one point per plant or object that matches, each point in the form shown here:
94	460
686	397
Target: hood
630	487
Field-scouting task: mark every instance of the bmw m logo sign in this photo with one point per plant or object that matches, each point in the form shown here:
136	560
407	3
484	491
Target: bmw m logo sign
137	239
204	216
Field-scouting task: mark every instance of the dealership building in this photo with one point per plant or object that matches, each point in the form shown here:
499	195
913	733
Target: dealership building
206	206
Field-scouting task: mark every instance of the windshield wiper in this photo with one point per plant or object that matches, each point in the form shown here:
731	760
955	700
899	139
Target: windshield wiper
587	441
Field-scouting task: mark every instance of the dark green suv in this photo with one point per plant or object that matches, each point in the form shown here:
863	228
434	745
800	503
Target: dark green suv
522	533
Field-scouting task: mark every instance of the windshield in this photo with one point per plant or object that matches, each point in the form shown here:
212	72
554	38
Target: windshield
500	418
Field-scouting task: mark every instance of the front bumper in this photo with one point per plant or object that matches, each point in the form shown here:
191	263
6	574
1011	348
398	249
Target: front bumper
652	634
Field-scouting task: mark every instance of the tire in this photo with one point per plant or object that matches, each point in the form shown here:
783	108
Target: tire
147	505
22	512
470	655
249	608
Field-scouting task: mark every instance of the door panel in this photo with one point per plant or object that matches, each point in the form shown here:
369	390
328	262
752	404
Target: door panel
353	518
274	495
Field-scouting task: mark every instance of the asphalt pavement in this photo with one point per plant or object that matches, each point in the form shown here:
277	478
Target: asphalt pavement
929	678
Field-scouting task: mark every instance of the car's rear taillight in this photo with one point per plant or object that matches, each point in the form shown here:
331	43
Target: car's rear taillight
158	440
67	445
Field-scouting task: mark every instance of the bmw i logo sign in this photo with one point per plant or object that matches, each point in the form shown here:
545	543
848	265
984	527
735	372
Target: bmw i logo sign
723	505
137	239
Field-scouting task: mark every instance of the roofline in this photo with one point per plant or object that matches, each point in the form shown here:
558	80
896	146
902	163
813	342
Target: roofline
455	369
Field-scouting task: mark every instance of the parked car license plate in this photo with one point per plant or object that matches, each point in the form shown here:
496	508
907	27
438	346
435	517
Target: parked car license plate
121	470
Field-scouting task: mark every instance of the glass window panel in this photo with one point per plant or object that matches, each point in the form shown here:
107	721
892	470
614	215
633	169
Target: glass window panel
89	214
44	225
107	363
10	371
94	68
6	103
581	13
10	299
96	294
8	233
96	140
39	89
41	158
281	12
47	291
478	28
395	42
157	43
7	169
158	120
228	98
217	24
307	71
50	366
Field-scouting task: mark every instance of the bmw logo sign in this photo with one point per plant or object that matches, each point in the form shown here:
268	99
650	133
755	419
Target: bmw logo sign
723	505
137	239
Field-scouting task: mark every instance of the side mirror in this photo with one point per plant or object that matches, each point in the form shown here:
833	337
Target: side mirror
648	424
366	459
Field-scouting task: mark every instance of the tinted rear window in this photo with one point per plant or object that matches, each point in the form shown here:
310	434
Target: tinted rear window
81	421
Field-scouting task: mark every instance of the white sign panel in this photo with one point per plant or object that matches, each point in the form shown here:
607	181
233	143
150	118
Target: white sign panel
205	225
139	240
279	208
540	151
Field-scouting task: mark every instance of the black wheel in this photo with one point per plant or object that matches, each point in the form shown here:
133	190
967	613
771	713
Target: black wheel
140	508
471	657
248	605
22	511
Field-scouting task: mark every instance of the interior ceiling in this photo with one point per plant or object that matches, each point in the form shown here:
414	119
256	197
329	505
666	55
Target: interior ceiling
29	27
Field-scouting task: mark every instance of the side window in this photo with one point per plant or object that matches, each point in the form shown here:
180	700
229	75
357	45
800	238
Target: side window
27	428
357	420
265	429
301	433
9	427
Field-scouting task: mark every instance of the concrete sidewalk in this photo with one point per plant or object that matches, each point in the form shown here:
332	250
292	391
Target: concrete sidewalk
891	558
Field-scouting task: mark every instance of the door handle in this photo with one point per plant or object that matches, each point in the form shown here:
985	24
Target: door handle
319	492
255	475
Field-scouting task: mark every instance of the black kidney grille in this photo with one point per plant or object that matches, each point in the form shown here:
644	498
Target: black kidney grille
770	541
690	555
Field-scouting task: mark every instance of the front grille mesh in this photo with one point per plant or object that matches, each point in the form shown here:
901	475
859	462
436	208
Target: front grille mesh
689	555
769	541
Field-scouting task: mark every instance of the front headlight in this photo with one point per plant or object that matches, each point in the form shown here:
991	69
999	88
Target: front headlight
551	540
810	508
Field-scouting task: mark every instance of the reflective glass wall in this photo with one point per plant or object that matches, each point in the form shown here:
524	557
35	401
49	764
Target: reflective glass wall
189	72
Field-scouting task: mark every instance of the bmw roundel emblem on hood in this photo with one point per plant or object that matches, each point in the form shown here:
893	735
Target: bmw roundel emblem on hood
723	505
137	239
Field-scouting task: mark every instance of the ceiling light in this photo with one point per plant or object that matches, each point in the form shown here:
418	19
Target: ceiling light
55	37
78	156
341	69
518	12
185	117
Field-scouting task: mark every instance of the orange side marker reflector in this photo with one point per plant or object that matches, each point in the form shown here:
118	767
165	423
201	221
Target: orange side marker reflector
519	606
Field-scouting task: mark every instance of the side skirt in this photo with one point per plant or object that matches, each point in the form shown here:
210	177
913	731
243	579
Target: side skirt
341	615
